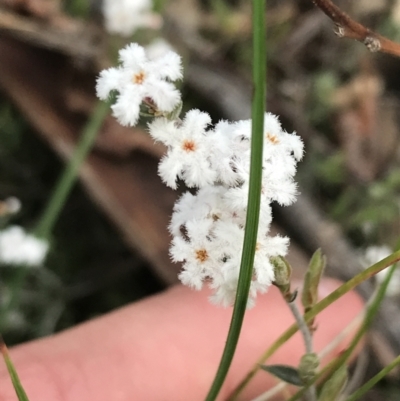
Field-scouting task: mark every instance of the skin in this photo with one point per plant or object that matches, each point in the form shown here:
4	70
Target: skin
166	347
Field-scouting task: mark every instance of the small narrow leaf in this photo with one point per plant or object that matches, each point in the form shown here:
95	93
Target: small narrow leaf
13	373
311	281
334	385
285	373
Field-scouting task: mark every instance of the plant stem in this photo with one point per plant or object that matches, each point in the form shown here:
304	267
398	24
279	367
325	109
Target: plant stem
319	307
69	176
328	349
302	326
253	210
307	337
59	196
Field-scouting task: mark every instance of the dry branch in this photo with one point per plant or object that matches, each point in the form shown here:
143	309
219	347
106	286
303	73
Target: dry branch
348	28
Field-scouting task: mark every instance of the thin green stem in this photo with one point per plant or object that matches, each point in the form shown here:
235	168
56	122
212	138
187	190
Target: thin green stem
319	307
14	288
307	337
69	176
370	383
253	210
311	394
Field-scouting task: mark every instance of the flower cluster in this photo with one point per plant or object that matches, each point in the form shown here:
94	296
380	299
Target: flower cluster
208	225
19	248
124	17
208	222
140	79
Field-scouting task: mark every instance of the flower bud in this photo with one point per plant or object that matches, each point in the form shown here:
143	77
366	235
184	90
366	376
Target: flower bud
282	273
308	367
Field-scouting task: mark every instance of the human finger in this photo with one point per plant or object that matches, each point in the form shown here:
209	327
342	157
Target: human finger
166	347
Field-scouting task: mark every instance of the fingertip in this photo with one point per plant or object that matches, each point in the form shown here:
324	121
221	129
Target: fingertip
181	326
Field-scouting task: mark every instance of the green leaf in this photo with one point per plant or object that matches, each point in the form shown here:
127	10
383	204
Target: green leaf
335	385
19	390
311	281
285	373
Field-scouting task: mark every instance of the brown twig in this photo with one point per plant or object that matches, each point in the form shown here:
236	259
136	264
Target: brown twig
348	28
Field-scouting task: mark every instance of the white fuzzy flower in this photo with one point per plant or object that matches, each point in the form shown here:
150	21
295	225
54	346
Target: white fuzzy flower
231	157
210	249
19	248
374	254
208	226
207	203
279	142
124	17
140	79
229	150
188	149
283	190
225	276
198	252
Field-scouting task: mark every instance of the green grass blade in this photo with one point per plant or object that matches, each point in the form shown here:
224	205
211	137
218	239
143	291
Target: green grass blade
253	209
19	390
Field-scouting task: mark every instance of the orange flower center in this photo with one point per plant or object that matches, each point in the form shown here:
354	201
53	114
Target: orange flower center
139	78
272	138
201	255
189	146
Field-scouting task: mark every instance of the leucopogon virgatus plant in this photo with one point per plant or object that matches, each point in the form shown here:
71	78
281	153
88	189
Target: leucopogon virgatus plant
208	221
208	226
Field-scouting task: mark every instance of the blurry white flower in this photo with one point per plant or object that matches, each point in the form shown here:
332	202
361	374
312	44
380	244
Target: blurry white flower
374	254
140	79
9	206
158	48
13	204
124	17
19	248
